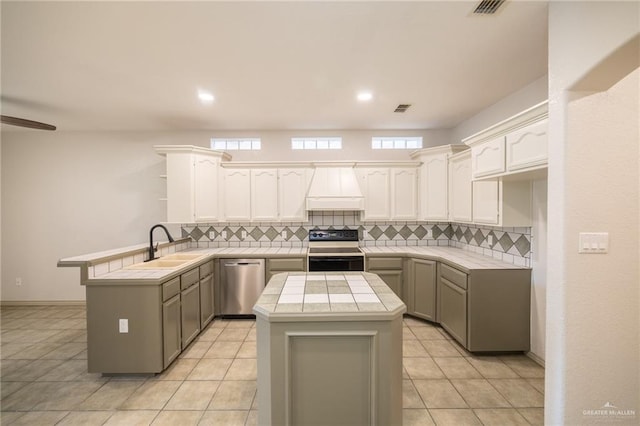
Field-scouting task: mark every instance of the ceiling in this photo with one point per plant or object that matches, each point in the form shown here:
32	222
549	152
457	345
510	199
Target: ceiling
98	66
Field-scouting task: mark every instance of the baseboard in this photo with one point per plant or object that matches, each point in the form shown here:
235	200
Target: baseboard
536	359
24	303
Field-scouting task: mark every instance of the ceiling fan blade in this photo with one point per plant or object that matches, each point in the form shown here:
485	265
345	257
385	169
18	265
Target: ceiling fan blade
14	121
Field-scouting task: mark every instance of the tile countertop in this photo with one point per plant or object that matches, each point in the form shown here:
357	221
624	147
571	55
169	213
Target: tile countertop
121	271
330	296
455	257
450	255
161	274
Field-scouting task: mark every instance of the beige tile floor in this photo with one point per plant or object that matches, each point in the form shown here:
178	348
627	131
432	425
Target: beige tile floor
44	379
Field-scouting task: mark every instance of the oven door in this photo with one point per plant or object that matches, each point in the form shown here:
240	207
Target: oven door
336	263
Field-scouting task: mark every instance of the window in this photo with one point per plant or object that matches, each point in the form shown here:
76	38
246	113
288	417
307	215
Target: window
316	143
414	142
235	144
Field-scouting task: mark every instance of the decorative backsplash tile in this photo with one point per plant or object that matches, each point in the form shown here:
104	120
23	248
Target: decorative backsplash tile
509	244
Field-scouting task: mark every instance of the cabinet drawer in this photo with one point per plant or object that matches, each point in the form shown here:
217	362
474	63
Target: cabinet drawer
384	263
189	278
453	275
170	289
295	264
206	269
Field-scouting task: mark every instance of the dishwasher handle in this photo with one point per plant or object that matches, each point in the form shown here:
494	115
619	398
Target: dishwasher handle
242	264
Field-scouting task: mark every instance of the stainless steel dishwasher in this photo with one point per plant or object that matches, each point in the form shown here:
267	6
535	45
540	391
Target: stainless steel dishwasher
242	282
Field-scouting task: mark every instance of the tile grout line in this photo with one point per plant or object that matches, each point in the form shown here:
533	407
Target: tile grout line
37	319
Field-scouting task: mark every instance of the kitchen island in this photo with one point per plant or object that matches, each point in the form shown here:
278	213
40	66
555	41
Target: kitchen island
329	350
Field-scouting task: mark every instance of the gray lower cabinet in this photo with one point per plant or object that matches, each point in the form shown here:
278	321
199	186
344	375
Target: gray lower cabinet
171	330
485	310
289	264
124	328
453	303
421	289
390	269
206	294
190	313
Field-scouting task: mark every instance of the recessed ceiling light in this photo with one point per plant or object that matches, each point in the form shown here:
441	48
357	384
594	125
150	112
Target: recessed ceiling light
205	97
365	96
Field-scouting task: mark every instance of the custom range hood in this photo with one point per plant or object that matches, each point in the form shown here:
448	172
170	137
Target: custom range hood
334	188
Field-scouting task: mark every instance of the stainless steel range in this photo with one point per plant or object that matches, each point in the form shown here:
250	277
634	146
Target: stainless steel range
334	250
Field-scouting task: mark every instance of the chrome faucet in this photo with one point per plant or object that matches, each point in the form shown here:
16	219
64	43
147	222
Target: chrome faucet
152	249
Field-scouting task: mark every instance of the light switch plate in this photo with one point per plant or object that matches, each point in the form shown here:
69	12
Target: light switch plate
593	242
123	325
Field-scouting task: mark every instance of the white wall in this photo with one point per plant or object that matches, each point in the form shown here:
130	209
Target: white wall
593	301
65	194
530	95
539	268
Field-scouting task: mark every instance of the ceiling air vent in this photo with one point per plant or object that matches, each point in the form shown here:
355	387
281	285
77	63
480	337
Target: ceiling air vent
402	108
488	7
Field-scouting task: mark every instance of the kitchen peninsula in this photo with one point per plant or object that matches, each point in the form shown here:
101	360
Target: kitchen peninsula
329	350
140	316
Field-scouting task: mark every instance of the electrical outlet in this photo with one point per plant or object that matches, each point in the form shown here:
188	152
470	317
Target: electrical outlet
284	235
365	234
244	234
212	235
123	325
18	281
223	234
490	240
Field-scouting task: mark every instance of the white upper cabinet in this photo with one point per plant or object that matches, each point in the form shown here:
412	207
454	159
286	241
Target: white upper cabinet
486	194
433	188
404	193
274	194
496	202
527	147
433	185
264	194
487	158
206	188
390	193
460	192
237	194
375	184
192	183
502	203
293	185
516	147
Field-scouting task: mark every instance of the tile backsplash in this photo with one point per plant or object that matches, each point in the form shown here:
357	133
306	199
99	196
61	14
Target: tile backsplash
512	245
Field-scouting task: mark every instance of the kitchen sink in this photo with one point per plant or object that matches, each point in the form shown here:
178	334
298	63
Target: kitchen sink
160	264
170	261
183	256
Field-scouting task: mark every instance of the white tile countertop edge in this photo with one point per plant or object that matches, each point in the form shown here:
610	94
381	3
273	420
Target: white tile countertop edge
453	256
